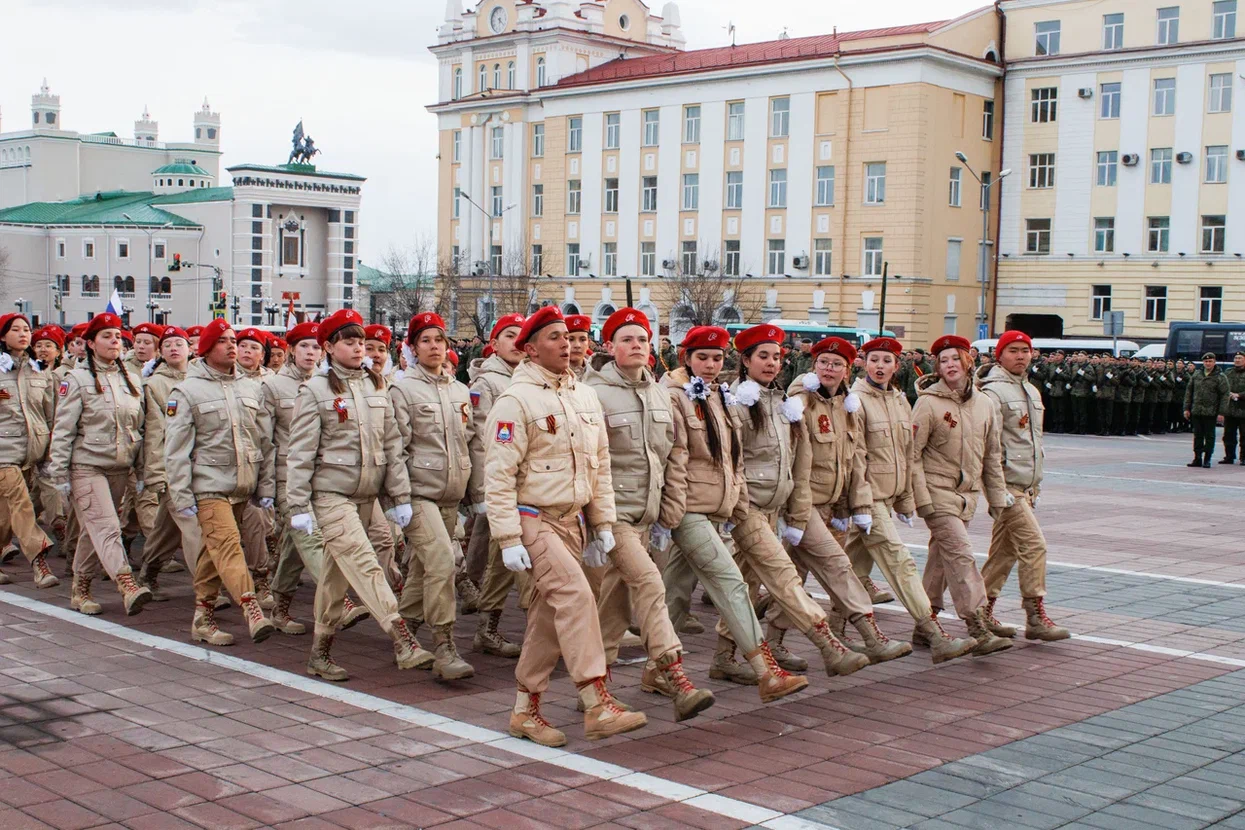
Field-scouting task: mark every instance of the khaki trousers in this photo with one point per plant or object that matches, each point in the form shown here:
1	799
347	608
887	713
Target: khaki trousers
170	532
476	556
349	564
428	591
883	546
631	584
50	503
17	514
756	545
380	533
222	560
498	581
1017	537
256	525
129	517
295	550
951	565
146	504
701	554
97	501
820	554
562	619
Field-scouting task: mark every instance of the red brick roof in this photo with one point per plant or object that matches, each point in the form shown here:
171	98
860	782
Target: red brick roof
747	54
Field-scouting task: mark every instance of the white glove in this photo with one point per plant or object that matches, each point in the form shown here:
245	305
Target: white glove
594	555
138	487
864	521
264	503
727	527
516	558
189	512
792	535
841	525
1009	500
906	518
661	538
479	509
1036	499
63	489
305	522
400	514
605	539
1095	387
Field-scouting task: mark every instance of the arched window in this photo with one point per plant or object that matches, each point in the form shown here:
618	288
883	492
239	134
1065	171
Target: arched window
118	283
483	78
497	76
602	312
540	72
510	75
90	285
153	285
570	308
458	83
727	314
166	285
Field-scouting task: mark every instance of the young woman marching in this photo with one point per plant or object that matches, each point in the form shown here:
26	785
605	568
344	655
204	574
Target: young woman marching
886	422
704	474
49	345
257	523
95	444
956	454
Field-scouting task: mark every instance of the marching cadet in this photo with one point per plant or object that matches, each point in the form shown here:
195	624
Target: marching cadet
1205	401
886	422
278	349
385	540
705	478
548	459
579	332
433	413
956	454
345	452
75	345
218	458
140	363
194	332
95	444
1234	419
257	523
640	426
1016	536
49	346
26	414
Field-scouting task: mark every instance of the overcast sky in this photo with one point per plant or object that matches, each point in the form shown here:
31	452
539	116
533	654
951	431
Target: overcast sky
358	73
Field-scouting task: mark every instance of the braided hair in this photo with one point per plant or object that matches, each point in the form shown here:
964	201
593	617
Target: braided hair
125	375
711	430
335	383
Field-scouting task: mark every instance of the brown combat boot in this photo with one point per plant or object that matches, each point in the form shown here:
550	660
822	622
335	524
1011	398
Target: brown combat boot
773	682
666	677
263	593
321	663
527	722
468	592
203	628
789	661
941	647
1038	626
692	624
726	667
839	659
878	647
222	602
876	595
281	616
172	566
407	652
354	615
987	642
80	598
491	641
260	626
995	627
44	578
134	596
918	634
603	717
5	579
447	664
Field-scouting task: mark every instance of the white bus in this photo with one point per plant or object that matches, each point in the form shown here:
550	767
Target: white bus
1097	345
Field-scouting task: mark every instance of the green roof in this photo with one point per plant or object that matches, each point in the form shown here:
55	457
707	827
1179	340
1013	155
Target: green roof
195	196
385	282
297	169
104	208
181	168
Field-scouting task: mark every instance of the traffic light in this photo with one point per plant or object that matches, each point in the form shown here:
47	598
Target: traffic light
176	264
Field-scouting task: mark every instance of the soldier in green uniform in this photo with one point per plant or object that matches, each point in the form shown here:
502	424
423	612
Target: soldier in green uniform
1123	397
1082	383
1234	421
1175	415
1205	401
1104	395
1163	399
1057	385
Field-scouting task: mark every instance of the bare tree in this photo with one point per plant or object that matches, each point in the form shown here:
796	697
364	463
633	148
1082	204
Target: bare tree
700	294
513	288
407	284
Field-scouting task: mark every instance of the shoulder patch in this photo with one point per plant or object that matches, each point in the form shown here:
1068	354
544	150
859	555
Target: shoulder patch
170	408
475	398
505	432
63	389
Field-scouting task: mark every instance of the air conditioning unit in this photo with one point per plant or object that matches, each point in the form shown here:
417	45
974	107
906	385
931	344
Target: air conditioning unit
668	264
711	265
1240	155
799	262
1184	158
1085	92
1129	159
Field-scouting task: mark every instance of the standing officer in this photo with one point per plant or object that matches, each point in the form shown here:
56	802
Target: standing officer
1057	386
1205	401
548	458
1105	386
578	332
1082	380
1234	421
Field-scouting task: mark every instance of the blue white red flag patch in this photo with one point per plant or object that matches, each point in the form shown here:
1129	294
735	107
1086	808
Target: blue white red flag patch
505	432
170	408
64	388
475	398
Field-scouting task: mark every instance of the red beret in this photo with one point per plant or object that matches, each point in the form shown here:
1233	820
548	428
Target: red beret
424	320
7	319
883	344
54	333
154	329
764	333
505	322
1009	337
622	317
579	322
487	352
451	356
79	330
278	343
209	334
544	317
173	331
99	322
949	341
337	321
194	331
127	336
378	332
302	331
652	360
706	337
835	345
251	333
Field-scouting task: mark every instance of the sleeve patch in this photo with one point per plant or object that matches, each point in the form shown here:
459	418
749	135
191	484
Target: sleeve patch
170	408
475	398
505	432
63	390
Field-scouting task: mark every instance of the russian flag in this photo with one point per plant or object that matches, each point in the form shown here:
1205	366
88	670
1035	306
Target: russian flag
114	303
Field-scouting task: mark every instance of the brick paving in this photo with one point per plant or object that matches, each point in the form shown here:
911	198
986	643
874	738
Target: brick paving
98	731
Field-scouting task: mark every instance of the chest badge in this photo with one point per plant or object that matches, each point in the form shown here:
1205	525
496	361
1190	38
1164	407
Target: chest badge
1024	420
823	424
466	410
951	422
343	414
505	432
4	395
552	423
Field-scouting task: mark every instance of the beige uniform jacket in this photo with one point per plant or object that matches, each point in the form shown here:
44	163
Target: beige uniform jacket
217	439
100	430
280	398
695	478
769	455
345	443
547	449
156	389
640	424
492	377
436	423
886	420
27	411
828	437
1020	406
956	451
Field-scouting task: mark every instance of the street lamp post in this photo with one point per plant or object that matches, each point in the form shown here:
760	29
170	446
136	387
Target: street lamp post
489	217
983	330
150	309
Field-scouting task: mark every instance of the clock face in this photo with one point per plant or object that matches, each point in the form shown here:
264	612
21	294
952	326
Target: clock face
497	20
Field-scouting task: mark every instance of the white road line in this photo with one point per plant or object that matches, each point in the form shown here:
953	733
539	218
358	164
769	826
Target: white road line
1163	482
644	782
1154	464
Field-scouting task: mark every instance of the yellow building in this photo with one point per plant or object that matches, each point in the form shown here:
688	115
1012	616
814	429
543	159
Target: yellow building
580	143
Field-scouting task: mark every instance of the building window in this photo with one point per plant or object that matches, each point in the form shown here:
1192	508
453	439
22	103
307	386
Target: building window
1041	170
689	261
483	78
540	72
730	265
1221	93
88	249
456	204
510	75
1099	301
734	189
1210	304
735	121
875	183
691	125
1159	232
611	195
538	259
778	188
954	247
648	193
458	83
613	130
609	259
691	191
458	146
1037	236
1164	96
572	259
158	249
290	250
652	127
777	263
1107	166
575	135
498	207
984	198
1047	35
497	76
953	189
872	265
123	249
1161	166
1169	26
538	200
648	259
987	120
822	259
90	286
1113	31
538	140
825	185
499	144
1224	25
60	249
1042	104
1109	100
1217	164
1104	234
495	259
574	196
1156	304
780	118
1213	229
